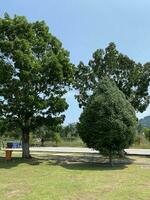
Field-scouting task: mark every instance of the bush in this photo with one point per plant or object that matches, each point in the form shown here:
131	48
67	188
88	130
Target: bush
147	133
57	138
108	122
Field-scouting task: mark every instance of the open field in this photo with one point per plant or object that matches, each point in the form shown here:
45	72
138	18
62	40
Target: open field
74	177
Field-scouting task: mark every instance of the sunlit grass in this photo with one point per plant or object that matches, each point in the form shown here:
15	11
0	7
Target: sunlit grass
61	178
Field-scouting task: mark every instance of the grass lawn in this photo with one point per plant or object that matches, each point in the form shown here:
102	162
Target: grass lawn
74	177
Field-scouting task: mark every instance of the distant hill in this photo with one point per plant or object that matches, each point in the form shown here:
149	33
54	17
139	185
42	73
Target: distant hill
145	122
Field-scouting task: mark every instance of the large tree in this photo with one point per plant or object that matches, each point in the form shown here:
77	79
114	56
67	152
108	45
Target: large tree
131	78
35	72
108	121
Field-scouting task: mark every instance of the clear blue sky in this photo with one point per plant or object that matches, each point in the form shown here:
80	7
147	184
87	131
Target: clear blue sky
85	25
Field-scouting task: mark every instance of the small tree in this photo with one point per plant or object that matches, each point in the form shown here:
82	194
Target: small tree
108	121
57	138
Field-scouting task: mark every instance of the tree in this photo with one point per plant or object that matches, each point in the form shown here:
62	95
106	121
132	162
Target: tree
140	129
43	133
35	72
57	138
69	131
145	122
108	121
147	133
139	134
2	132
131	78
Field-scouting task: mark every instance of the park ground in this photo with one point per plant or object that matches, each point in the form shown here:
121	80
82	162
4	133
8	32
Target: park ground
74	176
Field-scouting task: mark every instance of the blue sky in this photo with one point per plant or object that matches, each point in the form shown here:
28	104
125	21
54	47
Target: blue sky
86	25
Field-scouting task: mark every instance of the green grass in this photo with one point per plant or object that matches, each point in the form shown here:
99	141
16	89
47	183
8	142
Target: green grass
74	177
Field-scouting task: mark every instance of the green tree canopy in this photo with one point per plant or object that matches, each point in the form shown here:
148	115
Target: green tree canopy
43	133
108	121
69	131
35	72
131	78
147	133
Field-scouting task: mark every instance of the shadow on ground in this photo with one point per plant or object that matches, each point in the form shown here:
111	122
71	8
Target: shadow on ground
89	162
71	162
17	161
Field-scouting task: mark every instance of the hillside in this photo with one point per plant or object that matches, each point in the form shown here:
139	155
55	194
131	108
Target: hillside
145	122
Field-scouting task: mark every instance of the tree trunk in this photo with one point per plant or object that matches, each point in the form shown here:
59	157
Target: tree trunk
110	158
25	143
121	154
42	142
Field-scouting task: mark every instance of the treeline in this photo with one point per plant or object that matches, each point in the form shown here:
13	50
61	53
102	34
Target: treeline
45	136
68	135
142	137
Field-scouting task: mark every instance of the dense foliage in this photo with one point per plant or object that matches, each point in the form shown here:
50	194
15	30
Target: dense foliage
131	78
145	122
69	131
147	133
35	72
108	121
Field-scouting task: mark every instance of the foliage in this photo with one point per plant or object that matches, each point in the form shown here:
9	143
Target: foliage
138	140
69	131
139	137
57	138
108	121
2	127
42	133
140	129
35	72
131	78
145	122
147	133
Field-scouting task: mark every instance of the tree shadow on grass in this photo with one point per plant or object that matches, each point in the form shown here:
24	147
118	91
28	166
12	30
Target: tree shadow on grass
71	162
92	166
17	161
89	163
